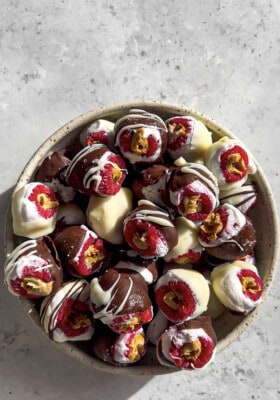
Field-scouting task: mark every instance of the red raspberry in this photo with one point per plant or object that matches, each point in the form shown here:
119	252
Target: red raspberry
97	137
74	317
234	163
112	176
144	237
186	362
176	300
179	132
131	322
44	199
252	285
204	205
43	274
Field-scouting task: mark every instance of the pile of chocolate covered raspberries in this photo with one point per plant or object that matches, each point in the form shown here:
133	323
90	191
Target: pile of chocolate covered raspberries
139	234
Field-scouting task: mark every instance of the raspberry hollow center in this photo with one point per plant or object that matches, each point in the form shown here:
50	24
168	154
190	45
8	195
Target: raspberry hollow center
191	350
36	286
173	299
177	129
212	226
116	174
92	256
192	204
235	164
78	320
249	285
46	202
139	144
140	240
136	348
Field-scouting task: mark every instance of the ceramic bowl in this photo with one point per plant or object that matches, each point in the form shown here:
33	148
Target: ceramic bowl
228	326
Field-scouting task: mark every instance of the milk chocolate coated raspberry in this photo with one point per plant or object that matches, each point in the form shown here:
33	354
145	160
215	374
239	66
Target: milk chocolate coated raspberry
152	185
81	250
33	269
149	231
119	349
96	170
227	233
193	190
52	173
190	345
141	137
120	301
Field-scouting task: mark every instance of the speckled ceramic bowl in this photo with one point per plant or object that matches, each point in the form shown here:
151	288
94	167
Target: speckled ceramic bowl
228	326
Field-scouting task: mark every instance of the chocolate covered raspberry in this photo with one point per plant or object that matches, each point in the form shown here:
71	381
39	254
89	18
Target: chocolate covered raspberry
33	269
121	301
227	233
187	137
99	131
81	251
190	345
237	285
193	190
141	137
149	231
119	349
96	170
52	173
182	294
152	185
34	210
66	315
230	162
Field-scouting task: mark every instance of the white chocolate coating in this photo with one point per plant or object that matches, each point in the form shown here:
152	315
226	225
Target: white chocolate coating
105	215
195	281
100	297
235	222
142	270
187	239
97	126
26	219
228	288
213	162
71	214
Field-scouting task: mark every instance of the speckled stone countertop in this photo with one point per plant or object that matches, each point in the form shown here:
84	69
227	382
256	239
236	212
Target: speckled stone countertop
62	58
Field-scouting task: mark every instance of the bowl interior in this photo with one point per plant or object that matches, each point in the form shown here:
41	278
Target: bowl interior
228	327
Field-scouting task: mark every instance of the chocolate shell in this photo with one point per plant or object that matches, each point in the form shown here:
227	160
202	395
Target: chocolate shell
96	170
190	345
80	250
118	349
141	137
149	231
33	269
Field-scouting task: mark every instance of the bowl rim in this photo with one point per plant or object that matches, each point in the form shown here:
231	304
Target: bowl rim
152	106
